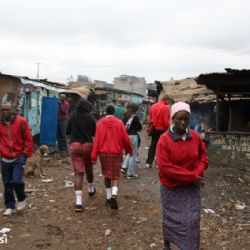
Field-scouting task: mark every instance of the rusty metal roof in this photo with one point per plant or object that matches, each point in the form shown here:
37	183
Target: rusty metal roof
187	90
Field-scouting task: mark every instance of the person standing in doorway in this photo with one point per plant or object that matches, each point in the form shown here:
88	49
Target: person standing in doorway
110	140
81	128
182	159
63	111
159	116
15	147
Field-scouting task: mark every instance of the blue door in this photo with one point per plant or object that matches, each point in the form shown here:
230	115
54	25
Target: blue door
49	115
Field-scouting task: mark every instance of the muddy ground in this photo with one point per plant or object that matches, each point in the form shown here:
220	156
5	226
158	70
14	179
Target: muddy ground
49	222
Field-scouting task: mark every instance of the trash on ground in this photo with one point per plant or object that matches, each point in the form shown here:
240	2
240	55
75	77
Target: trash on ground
107	232
240	206
47	180
152	245
209	211
5	230
68	184
31	190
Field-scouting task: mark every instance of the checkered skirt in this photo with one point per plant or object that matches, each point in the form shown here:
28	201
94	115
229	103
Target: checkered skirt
111	165
80	156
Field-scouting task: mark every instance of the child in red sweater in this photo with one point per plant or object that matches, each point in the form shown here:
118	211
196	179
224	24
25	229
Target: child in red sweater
110	139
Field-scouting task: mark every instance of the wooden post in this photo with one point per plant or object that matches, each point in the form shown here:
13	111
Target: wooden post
217	112
230	115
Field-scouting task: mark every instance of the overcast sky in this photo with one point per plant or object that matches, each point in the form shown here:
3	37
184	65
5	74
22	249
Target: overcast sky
155	39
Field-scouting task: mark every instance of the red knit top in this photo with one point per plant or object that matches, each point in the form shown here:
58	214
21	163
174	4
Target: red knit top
180	161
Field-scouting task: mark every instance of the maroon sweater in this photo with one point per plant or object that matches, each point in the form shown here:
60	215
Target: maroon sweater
63	110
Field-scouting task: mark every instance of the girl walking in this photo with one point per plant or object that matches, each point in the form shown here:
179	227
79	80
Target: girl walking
81	128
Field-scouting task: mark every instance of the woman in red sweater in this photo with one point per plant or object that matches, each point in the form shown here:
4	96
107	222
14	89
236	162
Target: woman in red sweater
181	158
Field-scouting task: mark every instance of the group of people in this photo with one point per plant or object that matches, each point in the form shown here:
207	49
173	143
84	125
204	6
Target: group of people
181	158
109	139
180	153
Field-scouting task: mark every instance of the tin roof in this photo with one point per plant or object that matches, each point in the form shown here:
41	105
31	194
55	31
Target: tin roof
187	90
233	81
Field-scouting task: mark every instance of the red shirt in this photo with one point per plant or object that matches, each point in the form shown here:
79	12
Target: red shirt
15	138
179	162
63	110
110	137
160	116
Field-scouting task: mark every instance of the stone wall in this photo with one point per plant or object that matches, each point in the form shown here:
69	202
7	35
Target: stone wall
229	149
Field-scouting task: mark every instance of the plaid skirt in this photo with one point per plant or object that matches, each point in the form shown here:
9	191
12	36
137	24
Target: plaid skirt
181	216
80	156
111	165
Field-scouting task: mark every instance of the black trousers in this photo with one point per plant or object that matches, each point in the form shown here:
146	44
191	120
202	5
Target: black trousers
155	138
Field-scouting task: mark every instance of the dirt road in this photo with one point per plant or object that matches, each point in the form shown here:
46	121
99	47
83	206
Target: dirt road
49	222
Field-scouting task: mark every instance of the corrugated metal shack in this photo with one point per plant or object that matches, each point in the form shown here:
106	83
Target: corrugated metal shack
100	96
27	95
230	141
201	100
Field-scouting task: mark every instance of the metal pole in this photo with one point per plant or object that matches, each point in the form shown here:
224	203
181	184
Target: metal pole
37	75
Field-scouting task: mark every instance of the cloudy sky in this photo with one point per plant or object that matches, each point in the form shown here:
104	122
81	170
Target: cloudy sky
155	39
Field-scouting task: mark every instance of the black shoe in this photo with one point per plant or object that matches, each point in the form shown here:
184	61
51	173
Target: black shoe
92	193
124	171
132	176
108	203
78	208
113	202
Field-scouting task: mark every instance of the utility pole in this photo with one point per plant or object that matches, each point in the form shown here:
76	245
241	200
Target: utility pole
37	75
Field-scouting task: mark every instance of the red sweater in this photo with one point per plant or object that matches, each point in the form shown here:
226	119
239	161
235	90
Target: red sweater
179	162
160	116
15	138
110	137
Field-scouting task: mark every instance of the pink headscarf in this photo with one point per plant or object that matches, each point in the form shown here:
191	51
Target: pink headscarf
179	106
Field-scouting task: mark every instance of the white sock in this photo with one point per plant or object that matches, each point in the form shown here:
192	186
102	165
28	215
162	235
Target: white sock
91	187
109	193
78	194
114	190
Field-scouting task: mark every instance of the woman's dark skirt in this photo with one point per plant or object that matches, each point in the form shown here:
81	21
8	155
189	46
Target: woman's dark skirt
181	216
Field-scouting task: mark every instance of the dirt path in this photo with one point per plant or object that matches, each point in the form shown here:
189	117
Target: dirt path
50	222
